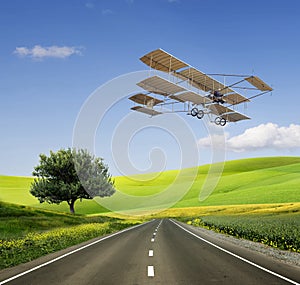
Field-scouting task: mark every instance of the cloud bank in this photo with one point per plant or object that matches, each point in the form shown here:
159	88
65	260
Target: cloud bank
264	136
40	52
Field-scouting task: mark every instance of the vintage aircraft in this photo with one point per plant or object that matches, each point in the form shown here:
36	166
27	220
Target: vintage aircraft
197	93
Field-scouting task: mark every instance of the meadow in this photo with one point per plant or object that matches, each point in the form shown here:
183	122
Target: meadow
243	182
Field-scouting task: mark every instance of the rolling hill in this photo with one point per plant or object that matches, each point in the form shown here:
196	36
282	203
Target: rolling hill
249	181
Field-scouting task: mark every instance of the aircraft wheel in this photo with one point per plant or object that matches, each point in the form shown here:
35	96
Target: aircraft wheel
222	122
194	112
217	121
200	114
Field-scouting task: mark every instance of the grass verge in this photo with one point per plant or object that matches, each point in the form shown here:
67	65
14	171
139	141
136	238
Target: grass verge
28	233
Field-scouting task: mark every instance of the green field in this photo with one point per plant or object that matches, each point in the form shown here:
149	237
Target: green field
257	199
249	181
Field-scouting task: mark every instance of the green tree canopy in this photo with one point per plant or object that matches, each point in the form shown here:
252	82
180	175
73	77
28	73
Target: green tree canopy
68	175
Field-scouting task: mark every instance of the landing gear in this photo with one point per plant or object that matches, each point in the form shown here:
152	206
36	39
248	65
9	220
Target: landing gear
220	121
200	114
196	112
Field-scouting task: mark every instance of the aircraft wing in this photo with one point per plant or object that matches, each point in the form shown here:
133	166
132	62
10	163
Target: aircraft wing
202	81
234	117
146	110
163	61
190	96
258	83
235	98
159	85
227	113
144	99
219	109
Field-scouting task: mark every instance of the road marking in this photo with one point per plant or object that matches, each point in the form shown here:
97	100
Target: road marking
150	252
69	253
152	240
237	256
154	234
150	271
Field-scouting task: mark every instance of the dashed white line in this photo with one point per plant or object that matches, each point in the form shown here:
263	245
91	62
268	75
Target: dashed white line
152	240
150	252
150	271
154	234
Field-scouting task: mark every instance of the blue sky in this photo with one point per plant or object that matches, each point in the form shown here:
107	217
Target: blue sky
54	54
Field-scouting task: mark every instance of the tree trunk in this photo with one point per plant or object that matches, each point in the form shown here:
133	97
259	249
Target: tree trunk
71	204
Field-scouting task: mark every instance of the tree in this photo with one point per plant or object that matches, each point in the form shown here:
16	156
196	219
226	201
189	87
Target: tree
69	175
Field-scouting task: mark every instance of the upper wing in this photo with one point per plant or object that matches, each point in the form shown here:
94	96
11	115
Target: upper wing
202	81
163	61
258	83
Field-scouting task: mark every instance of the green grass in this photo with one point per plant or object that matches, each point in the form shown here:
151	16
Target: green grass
15	190
248	181
229	210
17	221
27	233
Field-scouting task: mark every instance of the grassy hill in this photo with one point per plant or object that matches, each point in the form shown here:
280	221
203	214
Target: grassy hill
248	181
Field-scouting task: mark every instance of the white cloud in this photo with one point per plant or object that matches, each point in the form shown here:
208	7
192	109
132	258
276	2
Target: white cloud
215	140
89	5
107	12
264	136
39	52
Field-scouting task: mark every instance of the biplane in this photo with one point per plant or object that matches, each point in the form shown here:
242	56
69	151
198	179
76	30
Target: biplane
196	92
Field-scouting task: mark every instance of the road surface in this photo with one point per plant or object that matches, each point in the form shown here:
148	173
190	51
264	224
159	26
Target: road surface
158	252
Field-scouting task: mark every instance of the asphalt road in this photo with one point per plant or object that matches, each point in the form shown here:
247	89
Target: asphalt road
160	252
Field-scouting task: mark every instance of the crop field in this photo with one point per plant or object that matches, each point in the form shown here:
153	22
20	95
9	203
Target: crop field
279	231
